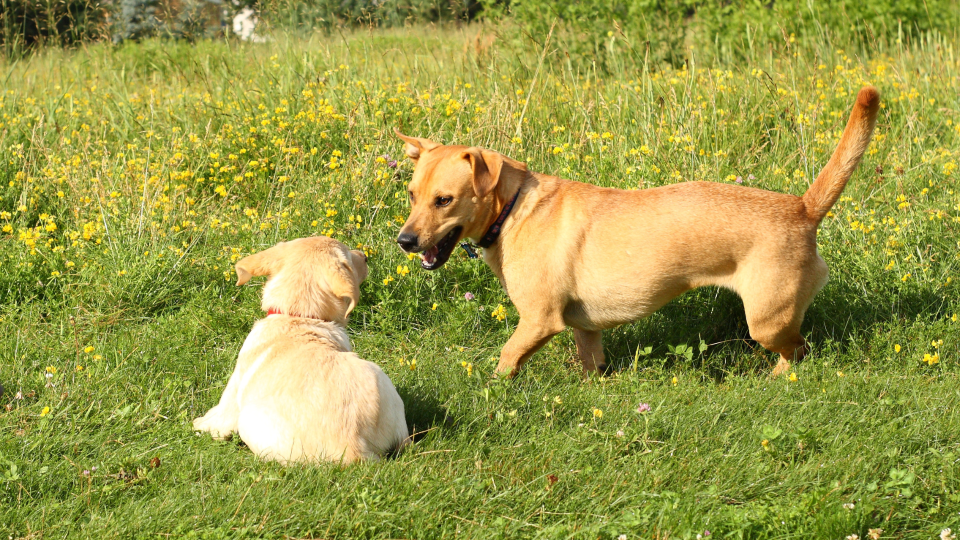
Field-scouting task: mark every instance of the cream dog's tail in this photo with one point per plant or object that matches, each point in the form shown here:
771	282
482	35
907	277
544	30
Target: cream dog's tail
856	136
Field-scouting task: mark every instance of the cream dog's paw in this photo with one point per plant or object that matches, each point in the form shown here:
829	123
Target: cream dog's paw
220	425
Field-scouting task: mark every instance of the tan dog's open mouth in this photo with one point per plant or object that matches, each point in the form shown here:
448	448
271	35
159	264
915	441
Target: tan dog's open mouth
435	257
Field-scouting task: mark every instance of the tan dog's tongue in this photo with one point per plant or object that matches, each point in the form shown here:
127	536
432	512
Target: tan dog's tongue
430	256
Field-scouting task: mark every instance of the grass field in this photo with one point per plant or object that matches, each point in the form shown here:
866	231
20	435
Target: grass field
133	178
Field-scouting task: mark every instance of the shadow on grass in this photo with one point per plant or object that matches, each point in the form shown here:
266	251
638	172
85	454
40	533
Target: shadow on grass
423	412
845	312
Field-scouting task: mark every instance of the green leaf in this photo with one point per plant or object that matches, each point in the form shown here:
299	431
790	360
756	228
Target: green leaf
770	432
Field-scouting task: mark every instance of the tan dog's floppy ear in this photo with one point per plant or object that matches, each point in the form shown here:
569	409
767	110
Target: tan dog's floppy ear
343	284
415	145
486	167
263	263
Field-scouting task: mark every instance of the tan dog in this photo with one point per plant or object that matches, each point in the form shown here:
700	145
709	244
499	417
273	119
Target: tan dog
574	254
298	393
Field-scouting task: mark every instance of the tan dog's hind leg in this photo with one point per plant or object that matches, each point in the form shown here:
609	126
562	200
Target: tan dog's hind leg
526	340
794	352
778	330
590	350
774	321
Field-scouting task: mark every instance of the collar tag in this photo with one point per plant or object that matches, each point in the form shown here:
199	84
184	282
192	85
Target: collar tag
472	253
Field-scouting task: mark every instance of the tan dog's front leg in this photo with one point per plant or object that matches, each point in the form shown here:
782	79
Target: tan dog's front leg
590	350
526	340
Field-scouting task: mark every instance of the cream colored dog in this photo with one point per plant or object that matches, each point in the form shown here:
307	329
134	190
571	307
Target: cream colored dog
298	393
574	254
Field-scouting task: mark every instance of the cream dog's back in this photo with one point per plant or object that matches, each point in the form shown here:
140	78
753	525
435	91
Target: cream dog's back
307	396
298	392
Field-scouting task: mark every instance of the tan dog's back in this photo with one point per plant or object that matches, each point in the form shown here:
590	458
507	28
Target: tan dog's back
640	249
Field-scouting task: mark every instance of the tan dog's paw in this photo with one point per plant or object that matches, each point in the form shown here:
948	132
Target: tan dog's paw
780	369
214	423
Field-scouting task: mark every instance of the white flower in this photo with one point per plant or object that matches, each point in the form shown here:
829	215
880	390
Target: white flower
622	537
849	506
947	534
853	537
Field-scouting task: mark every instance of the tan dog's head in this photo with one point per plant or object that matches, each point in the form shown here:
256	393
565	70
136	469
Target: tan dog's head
315	277
456	192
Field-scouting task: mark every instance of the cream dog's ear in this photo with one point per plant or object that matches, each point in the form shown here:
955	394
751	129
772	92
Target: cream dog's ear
264	263
343	283
415	145
486	167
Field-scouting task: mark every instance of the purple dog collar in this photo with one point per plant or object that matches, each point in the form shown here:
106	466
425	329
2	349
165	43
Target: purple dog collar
494	231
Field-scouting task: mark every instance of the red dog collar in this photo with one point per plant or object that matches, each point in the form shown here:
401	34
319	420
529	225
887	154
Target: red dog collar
273	311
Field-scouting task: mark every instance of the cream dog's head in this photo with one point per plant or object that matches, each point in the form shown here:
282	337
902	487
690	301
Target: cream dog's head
456	192
314	277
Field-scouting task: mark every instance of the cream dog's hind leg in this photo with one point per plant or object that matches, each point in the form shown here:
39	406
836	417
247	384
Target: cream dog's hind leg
221	420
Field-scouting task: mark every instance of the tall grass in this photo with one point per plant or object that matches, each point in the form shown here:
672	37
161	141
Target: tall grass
26	23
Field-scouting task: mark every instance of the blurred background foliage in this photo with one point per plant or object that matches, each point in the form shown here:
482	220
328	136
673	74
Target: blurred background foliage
658	31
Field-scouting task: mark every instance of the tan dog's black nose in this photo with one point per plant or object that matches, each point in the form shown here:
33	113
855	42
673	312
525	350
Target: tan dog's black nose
408	242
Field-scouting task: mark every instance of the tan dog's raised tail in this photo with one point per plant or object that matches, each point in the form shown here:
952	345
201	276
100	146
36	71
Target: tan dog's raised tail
574	254
298	392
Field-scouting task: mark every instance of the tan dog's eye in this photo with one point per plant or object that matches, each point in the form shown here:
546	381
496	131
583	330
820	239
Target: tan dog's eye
443	201
410	194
